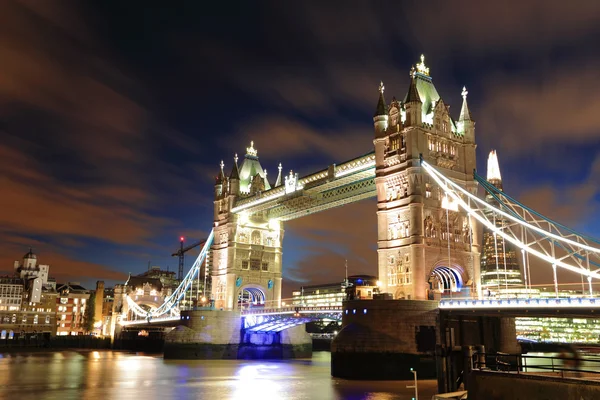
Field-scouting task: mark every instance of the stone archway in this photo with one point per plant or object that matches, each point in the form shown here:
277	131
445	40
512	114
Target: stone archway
251	296
447	280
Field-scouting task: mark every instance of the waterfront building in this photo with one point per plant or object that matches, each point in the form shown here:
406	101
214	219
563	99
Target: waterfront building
499	259
27	301
332	294
71	305
11	293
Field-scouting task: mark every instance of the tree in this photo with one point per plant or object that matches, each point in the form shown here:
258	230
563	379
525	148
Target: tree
90	311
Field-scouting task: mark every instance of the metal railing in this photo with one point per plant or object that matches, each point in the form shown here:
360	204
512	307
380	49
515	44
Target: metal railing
565	365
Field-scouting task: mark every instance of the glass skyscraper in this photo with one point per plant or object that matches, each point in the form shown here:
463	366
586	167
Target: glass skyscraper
499	258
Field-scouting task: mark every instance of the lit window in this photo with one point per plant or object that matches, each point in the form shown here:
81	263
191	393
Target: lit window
75	301
35	319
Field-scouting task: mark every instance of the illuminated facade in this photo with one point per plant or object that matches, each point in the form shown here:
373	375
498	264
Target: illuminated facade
245	261
499	259
71	304
558	330
28	301
425	243
332	294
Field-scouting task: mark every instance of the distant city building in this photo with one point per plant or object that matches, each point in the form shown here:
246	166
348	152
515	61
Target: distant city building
332	294
499	258
28	301
107	311
70	309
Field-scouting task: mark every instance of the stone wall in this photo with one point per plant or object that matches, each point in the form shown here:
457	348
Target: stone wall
383	339
209	334
487	385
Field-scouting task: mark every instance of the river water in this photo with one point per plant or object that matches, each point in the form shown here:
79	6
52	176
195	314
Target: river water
118	375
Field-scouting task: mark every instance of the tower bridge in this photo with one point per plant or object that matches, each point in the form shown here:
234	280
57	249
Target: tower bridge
429	218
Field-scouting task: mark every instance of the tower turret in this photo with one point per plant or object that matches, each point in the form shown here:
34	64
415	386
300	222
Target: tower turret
234	177
412	102
219	181
466	125
380	118
278	181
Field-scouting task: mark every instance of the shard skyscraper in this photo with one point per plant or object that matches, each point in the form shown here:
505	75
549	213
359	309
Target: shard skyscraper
499	258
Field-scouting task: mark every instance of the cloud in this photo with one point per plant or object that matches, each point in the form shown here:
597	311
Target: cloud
326	239
278	136
491	27
554	106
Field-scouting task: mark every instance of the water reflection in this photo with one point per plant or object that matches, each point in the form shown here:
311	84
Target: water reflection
107	375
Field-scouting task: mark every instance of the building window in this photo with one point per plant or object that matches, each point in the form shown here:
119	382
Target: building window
14	318
255	265
75	301
427	191
256	239
265	266
244	264
47	319
63	317
24	319
64	300
35	319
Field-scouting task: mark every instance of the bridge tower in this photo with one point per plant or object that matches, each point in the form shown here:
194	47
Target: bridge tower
426	245
246	252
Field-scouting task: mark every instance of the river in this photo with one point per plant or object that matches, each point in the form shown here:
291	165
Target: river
119	375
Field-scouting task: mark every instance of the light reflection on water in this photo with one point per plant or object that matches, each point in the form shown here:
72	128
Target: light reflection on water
110	375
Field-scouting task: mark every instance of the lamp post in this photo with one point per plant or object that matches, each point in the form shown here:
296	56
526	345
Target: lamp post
415	385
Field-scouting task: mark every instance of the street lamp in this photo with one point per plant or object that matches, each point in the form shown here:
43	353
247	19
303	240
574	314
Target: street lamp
415	385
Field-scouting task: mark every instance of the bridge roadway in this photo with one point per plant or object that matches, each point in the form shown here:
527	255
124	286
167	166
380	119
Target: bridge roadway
580	307
257	319
276	319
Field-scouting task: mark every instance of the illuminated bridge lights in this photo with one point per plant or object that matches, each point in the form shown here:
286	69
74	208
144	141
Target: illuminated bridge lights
499	304
277	320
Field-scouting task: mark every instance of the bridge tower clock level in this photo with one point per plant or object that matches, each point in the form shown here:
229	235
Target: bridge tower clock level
427	246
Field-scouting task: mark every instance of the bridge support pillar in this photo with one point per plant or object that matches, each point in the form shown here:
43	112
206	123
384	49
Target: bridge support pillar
394	335
508	336
216	334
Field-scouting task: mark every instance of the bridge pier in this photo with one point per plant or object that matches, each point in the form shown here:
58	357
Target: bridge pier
384	339
216	334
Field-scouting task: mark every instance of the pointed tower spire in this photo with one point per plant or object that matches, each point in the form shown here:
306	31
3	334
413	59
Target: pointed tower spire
413	94
380	119
381	106
235	172
221	176
278	181
493	170
465	115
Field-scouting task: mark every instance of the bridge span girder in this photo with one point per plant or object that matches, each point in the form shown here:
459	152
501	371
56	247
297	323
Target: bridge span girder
280	322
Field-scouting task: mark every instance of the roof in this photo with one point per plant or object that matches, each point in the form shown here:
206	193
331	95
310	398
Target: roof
381	107
250	168
139	281
71	287
235	172
30	254
465	115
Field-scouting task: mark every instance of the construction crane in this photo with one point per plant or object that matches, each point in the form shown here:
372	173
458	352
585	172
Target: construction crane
181	254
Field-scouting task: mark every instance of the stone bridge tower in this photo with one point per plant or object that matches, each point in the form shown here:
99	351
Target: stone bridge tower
245	259
426	245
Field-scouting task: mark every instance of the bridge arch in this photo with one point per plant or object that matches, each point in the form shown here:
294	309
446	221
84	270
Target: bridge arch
446	278
251	295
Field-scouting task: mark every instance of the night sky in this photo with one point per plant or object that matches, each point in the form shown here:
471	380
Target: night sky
114	116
